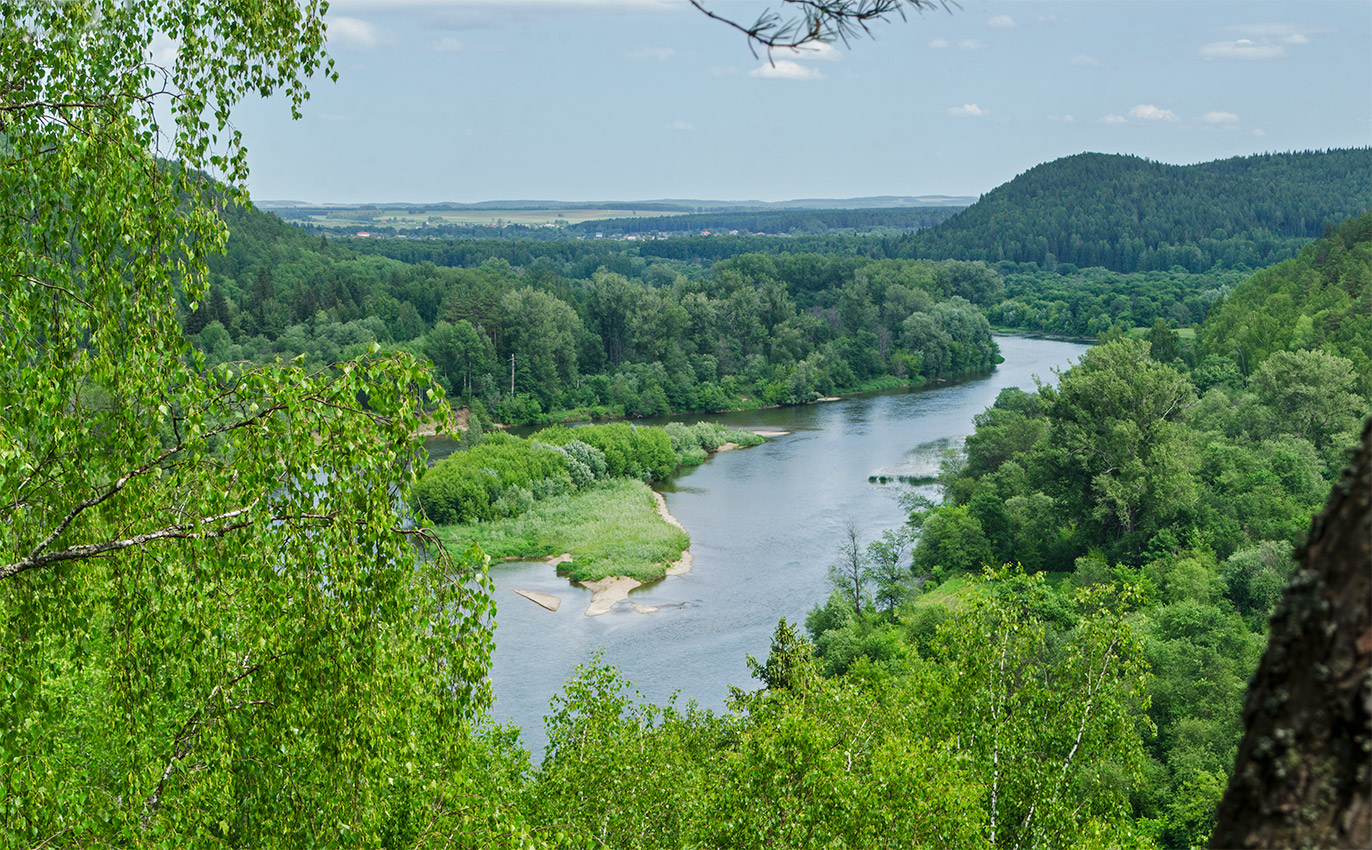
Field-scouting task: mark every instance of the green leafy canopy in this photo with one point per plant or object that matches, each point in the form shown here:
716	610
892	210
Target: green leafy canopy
214	625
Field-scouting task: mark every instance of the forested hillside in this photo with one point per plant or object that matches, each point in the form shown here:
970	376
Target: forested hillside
600	327
1130	214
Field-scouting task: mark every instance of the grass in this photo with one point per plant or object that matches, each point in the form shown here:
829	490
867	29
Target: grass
610	530
953	593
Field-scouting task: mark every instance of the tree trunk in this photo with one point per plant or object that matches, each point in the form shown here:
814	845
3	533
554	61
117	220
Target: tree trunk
1303	776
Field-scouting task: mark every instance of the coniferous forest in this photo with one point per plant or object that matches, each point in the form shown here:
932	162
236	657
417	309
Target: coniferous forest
241	606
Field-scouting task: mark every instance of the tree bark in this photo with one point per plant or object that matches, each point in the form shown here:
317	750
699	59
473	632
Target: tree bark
1303	775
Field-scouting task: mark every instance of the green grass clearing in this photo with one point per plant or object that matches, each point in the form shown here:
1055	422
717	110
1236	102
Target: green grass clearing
611	530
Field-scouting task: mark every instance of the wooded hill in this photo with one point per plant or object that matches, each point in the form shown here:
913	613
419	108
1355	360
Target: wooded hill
1129	214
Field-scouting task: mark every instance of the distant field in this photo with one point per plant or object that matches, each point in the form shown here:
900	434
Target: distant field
407	219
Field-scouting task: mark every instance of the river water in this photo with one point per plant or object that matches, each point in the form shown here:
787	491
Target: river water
765	524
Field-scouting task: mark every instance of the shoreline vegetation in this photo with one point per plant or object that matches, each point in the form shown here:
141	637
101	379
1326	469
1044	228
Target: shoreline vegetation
612	536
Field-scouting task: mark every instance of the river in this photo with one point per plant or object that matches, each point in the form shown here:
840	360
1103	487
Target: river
765	524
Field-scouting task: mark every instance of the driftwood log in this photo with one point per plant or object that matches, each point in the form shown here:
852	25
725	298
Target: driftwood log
1303	774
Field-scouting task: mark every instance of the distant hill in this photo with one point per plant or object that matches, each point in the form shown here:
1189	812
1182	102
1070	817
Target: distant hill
295	208
1131	214
790	222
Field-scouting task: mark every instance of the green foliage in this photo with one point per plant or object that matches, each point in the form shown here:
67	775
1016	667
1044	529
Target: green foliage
1131	214
214	626
1321	300
470	485
630	451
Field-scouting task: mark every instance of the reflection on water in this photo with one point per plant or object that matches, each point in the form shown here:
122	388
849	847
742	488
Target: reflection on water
764	524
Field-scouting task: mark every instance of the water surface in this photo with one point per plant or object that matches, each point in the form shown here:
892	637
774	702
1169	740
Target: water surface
765	524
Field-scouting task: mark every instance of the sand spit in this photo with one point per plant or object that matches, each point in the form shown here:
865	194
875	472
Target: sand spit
557	560
682	564
770	434
727	447
607	591
644	609
547	600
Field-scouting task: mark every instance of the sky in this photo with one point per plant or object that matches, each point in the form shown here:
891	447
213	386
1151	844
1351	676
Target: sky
589	100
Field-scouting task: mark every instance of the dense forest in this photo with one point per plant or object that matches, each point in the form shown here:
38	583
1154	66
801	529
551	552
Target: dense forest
227	618
1130	214
1088	695
617	333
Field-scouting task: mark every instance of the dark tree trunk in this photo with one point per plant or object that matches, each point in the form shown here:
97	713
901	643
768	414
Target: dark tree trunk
1303	776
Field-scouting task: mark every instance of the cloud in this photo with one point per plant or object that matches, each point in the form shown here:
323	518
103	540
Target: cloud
1282	31
1114	119
1081	60
163	50
661	54
1068	118
940	44
813	50
785	69
1260	132
971	44
680	125
1220	118
1149	112
968	110
1295	38
355	34
1243	49
1002	22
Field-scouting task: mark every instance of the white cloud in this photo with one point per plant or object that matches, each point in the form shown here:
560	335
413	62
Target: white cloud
1243	49
1081	60
972	44
785	69
1295	38
1114	119
661	54
1260	132
680	125
969	110
1002	22
1068	118
940	44
354	33
1220	118
1149	112
813	50
163	50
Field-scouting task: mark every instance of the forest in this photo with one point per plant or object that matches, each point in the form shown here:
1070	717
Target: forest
234	611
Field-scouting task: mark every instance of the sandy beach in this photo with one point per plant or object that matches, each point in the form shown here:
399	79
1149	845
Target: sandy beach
682	564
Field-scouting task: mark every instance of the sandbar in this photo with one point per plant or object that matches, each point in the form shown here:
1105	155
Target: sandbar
547	600
682	565
555	560
727	447
644	609
607	591
770	434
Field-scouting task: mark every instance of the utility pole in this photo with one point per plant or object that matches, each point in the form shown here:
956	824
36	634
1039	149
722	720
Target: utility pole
511	374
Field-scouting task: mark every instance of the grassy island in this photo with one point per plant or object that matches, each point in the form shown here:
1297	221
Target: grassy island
582	492
612	529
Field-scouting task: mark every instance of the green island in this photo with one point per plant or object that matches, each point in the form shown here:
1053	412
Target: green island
577	495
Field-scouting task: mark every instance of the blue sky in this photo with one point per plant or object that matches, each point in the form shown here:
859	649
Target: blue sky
469	100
